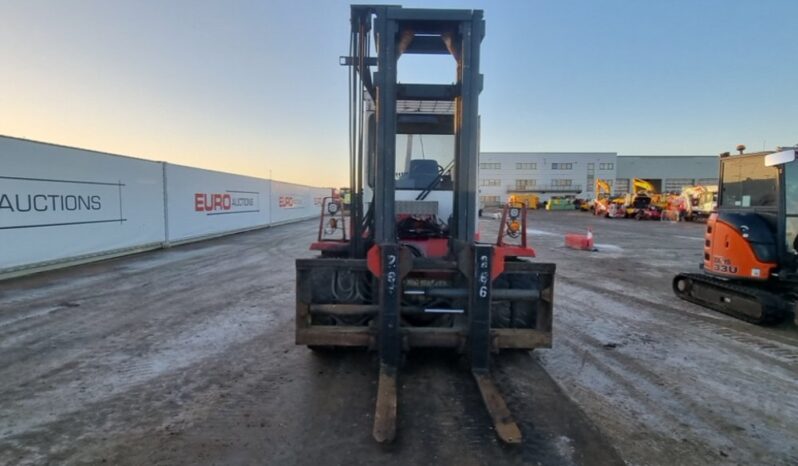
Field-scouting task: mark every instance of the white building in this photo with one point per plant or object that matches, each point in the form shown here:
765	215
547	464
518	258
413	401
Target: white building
548	174
543	173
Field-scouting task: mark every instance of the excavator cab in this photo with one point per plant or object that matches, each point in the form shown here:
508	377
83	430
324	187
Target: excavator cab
407	269
750	261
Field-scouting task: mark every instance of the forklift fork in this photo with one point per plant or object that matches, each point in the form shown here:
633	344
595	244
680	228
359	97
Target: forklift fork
389	341
390	346
480	344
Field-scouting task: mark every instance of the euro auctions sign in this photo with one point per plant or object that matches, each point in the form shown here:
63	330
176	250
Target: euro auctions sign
41	203
290	202
228	202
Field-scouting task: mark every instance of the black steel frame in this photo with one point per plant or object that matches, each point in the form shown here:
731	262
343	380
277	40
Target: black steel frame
398	31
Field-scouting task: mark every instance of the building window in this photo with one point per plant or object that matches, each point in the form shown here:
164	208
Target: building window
490	166
561	182
621	185
562	166
606	166
525	184
489	200
489	182
526	166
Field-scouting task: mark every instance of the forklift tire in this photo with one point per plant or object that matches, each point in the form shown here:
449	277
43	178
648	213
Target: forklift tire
515	314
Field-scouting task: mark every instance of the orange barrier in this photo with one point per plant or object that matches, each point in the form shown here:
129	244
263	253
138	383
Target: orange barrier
581	242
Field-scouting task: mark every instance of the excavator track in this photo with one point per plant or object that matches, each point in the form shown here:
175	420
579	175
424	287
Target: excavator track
752	305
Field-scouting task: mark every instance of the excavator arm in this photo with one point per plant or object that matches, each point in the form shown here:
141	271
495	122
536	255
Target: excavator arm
602	187
642	185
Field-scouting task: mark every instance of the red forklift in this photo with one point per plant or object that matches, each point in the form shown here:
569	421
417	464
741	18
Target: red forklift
404	269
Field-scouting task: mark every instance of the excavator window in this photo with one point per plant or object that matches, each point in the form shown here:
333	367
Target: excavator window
791	194
791	184
792	234
747	182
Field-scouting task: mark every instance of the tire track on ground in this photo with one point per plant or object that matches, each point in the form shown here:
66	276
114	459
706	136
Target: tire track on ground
749	335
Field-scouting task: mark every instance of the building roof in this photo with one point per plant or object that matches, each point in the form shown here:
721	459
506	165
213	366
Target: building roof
666	156
545	153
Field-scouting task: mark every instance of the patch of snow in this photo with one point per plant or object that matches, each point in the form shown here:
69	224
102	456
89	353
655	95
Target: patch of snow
609	247
541	232
565	448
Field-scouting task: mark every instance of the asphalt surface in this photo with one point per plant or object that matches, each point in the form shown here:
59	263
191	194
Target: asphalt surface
186	356
667	381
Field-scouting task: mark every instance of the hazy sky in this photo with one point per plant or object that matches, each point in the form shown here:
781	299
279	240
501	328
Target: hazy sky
254	86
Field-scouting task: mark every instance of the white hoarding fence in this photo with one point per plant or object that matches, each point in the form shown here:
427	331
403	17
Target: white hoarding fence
203	203
61	203
294	202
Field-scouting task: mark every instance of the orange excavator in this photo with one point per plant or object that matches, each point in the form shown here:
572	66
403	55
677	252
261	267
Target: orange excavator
750	268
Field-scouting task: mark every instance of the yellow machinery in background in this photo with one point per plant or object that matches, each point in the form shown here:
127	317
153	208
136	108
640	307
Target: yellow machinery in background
661	200
602	201
530	200
643	185
698	202
560	203
638	201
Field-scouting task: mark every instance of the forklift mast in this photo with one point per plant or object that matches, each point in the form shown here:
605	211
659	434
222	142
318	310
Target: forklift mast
410	272
411	108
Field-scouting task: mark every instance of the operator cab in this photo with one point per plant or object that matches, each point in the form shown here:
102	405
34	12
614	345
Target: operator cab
759	196
424	174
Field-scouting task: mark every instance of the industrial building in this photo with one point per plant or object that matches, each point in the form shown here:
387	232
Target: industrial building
668	173
548	174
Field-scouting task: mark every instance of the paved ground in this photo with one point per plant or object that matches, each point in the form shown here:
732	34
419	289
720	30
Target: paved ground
186	356
667	381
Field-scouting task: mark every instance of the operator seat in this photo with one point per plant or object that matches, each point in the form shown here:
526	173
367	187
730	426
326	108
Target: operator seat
421	175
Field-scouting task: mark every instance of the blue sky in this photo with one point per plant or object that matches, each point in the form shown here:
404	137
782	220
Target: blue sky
254	86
